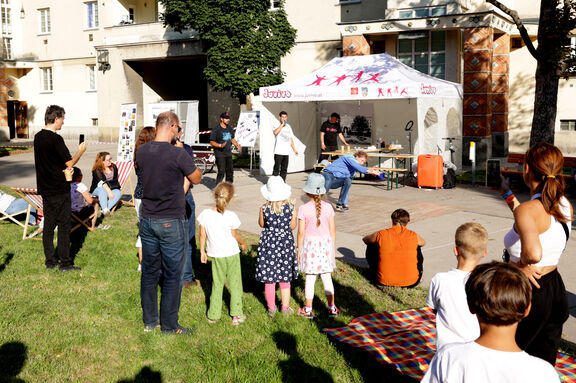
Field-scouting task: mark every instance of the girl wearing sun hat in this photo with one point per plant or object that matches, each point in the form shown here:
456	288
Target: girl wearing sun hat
276	255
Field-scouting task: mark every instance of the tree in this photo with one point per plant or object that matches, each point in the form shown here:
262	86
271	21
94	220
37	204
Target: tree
243	40
554	58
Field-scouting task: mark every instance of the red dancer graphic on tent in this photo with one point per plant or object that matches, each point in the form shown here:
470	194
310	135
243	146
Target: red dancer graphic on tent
380	92
318	80
359	76
373	78
339	79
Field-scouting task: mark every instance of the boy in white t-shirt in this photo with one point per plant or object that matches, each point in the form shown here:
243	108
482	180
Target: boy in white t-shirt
446	295
499	294
83	203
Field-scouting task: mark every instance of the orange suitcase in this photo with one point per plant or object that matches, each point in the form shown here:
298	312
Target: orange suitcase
430	171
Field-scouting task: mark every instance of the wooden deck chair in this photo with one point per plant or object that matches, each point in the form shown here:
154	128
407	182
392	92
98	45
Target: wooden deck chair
11	217
77	221
125	169
34	199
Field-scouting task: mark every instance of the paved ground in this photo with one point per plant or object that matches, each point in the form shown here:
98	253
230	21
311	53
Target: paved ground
435	214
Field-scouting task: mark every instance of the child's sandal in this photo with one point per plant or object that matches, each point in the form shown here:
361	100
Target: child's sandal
307	314
236	320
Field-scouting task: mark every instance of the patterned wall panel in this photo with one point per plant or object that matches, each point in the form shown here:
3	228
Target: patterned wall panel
355	46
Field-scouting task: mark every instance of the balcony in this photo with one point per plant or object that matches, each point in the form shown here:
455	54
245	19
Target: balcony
142	33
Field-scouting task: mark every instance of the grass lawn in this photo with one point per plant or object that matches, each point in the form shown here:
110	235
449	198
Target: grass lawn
87	326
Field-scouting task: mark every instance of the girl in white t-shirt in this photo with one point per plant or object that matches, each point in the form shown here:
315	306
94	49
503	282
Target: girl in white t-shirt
316	239
219	241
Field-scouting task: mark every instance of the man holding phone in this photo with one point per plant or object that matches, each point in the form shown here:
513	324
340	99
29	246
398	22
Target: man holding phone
52	158
284	144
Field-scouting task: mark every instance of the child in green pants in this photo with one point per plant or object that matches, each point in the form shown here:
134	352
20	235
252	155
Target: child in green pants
219	240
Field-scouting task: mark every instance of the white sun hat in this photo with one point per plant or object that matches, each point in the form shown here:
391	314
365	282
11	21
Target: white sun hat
276	190
315	184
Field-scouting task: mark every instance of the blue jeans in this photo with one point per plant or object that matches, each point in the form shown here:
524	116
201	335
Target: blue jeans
188	274
103	196
164	242
333	182
20	204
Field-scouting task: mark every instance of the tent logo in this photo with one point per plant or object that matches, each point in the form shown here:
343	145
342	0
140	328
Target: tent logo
427	89
277	93
354	91
364	91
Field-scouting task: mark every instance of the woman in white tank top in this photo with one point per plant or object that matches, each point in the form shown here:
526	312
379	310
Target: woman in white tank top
535	244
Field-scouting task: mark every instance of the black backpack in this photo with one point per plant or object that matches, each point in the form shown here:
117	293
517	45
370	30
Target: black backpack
449	179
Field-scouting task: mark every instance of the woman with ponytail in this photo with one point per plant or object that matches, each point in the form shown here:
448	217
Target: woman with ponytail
535	244
316	239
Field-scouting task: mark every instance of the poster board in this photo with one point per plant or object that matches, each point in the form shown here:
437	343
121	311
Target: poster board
247	128
191	123
127	133
154	110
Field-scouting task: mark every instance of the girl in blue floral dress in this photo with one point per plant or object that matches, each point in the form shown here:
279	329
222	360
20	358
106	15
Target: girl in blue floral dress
276	251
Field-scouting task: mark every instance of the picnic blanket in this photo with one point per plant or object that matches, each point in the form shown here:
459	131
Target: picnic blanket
406	339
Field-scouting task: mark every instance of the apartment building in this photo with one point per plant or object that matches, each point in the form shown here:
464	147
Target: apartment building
93	56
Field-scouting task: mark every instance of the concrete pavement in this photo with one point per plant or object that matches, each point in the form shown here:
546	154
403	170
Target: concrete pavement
435	214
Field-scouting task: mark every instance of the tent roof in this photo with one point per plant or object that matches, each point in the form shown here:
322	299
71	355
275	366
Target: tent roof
369	77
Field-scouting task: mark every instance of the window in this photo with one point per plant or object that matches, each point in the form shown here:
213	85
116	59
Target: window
44	15
424	51
92	14
7	48
91	70
6	17
46	79
422	12
568	125
274	5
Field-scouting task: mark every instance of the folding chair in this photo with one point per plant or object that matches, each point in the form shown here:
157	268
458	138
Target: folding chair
4	215
34	199
125	169
78	221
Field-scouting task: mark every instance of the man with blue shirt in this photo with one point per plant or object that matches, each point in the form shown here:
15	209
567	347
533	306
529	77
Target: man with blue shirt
339	174
222	139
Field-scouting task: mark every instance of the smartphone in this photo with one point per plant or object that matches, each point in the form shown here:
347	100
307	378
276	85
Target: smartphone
81	139
493	174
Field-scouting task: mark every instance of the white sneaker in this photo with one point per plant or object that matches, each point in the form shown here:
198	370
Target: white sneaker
105	212
139	268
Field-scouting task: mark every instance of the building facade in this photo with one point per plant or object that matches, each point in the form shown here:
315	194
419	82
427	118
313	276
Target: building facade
93	56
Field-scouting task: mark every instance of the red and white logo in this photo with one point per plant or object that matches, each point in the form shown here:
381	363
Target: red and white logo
277	93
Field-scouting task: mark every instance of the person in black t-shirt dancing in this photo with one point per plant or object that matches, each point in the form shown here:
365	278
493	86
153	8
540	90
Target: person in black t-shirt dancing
330	131
52	158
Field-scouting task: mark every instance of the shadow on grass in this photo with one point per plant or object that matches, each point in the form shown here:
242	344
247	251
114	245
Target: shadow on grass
146	375
7	260
77	239
295	369
13	356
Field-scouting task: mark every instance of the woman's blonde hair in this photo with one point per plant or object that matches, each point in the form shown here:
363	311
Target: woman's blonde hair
99	162
318	202
223	194
276	206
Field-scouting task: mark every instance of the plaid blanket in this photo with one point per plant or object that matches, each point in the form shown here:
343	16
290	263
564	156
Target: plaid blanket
406	339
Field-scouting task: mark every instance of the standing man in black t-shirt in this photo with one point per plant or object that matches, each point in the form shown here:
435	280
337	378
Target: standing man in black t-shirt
222	139
163	224
330	131
51	157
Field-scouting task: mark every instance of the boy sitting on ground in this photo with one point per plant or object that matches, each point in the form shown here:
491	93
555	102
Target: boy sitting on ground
446	295
83	204
499	294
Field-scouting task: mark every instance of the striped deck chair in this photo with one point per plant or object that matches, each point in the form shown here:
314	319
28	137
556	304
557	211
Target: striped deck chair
34	199
11	217
125	169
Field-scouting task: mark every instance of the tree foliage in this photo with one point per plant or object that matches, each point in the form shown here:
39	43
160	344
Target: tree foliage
555	58
243	40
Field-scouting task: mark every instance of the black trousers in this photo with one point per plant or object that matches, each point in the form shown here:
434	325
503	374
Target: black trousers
57	210
539	333
328	149
280	166
225	167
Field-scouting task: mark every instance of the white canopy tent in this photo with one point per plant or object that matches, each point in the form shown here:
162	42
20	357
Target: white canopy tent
393	93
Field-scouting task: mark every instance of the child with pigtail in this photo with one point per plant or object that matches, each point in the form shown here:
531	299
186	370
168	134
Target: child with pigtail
316	239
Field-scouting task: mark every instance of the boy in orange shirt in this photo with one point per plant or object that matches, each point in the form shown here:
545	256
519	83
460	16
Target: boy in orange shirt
394	255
